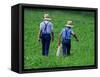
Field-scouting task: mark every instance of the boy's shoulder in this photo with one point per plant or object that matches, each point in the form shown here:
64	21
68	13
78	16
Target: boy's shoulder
46	22
41	22
66	29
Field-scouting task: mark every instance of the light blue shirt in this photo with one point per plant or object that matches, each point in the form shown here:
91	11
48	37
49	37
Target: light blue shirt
49	27
66	33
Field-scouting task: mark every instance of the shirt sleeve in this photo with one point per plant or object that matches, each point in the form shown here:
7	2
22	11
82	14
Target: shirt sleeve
41	26
72	32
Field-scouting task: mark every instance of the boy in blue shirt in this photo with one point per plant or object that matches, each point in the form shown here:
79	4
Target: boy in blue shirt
46	34
65	35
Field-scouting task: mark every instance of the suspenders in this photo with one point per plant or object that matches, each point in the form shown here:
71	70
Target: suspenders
45	29
66	31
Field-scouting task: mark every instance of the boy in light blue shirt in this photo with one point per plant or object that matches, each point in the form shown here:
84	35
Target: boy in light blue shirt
46	34
65	35
46	27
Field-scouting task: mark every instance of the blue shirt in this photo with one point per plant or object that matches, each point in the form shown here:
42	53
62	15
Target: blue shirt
66	33
46	27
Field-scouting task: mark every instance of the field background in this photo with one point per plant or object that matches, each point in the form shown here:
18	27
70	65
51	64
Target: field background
82	52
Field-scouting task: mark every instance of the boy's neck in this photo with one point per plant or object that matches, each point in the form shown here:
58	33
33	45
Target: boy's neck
68	27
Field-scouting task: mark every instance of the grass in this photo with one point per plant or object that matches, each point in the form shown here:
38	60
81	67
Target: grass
82	52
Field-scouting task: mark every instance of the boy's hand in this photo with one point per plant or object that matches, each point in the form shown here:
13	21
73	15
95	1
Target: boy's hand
75	37
77	40
59	44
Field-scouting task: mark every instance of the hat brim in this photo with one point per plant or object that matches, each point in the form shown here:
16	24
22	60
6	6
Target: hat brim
47	19
69	26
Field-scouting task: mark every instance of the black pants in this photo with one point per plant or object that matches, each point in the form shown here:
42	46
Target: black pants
45	44
66	46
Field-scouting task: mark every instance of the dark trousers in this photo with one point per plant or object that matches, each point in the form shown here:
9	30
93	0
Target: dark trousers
66	46
45	44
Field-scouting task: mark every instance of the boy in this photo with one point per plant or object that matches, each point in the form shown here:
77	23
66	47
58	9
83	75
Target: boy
65	35
46	34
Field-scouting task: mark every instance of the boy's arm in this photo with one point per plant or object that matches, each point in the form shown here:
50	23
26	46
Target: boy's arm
40	31
52	32
75	36
39	35
59	39
52	35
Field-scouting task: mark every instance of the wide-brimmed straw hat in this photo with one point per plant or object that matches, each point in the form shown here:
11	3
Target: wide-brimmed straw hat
47	17
69	24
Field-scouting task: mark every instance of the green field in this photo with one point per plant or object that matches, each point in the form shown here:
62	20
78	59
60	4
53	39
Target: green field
82	52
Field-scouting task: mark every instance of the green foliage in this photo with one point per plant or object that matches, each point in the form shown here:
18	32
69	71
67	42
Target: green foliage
82	52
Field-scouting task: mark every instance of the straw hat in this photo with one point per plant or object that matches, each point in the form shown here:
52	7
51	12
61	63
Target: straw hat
47	17
69	24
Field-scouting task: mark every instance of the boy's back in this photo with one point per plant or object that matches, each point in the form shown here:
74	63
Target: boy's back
66	33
